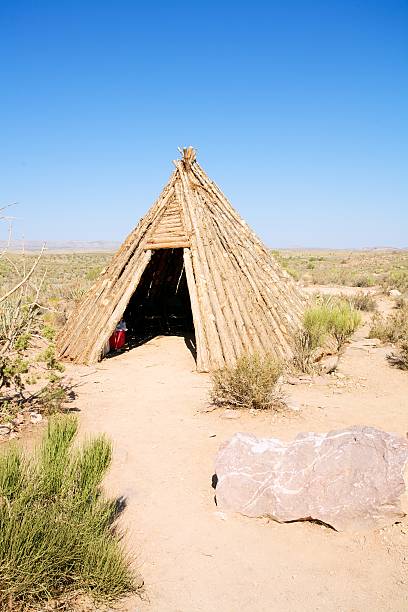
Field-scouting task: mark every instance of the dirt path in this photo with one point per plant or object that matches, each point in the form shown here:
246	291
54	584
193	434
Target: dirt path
151	403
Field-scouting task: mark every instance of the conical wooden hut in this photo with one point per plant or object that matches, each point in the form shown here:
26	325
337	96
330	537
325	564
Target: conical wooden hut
191	262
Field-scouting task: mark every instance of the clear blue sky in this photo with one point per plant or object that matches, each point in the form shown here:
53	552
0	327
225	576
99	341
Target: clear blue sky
299	111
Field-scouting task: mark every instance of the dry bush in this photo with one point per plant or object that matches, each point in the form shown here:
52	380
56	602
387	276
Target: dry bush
401	301
251	383
362	301
29	370
399	358
392	328
30	373
57	528
304	352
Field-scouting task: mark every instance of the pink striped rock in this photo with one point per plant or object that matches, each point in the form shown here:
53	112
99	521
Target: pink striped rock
349	479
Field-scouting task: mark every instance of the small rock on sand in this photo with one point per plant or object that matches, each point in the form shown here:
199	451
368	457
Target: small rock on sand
329	364
35	417
231	414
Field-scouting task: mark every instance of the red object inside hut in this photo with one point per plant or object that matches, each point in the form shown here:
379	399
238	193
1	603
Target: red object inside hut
117	340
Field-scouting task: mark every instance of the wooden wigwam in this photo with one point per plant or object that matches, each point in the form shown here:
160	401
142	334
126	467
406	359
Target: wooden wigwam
191	246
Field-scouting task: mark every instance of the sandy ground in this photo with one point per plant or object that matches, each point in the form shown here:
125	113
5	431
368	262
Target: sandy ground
152	404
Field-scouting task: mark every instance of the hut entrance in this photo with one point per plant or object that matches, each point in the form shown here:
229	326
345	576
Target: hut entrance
161	303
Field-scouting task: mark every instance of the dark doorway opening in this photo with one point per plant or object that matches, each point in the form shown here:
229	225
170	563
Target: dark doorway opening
161	303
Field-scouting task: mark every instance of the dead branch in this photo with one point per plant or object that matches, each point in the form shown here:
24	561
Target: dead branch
25	279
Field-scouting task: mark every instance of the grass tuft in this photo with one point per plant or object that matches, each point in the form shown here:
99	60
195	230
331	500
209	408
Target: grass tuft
56	525
250	383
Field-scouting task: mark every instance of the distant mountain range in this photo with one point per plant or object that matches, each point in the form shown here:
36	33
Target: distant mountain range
68	246
99	246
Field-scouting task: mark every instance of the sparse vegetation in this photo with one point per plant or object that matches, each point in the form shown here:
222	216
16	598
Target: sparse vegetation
250	384
285	263
66	277
56	525
386	268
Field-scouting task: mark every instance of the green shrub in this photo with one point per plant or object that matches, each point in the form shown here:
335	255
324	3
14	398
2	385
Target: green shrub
49	357
250	383
316	323
48	332
56	526
328	317
343	321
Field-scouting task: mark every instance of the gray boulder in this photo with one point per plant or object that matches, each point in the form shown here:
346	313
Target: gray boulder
350	479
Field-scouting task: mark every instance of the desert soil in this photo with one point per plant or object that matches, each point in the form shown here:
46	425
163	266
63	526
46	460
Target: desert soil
193	558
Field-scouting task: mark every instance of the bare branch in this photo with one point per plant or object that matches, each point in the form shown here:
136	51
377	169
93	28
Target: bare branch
25	279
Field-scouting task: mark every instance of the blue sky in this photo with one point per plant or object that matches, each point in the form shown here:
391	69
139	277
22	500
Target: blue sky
298	110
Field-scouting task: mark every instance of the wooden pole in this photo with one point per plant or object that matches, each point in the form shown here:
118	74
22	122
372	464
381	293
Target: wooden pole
203	363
